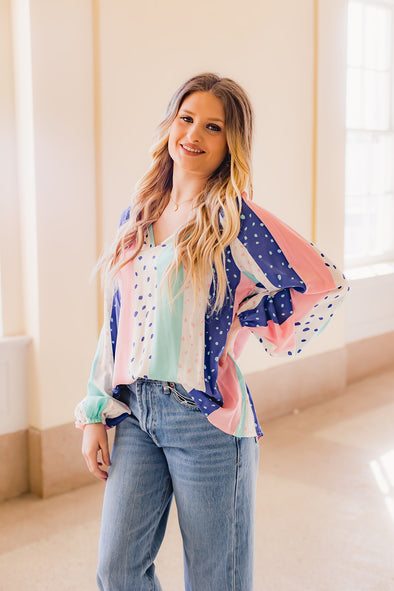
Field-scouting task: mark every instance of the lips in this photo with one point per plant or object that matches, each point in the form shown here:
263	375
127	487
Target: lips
191	149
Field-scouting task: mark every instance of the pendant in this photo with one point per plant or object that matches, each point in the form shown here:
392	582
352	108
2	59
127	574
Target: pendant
176	206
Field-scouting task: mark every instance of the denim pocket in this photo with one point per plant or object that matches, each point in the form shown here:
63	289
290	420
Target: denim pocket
180	396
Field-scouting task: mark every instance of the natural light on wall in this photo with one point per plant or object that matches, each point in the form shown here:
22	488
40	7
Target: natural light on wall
369	202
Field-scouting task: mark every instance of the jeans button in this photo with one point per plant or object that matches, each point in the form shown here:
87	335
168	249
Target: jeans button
171	384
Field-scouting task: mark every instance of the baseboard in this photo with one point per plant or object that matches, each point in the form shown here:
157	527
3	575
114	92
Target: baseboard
56	464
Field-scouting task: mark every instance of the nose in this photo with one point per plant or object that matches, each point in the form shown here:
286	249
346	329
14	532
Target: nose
194	133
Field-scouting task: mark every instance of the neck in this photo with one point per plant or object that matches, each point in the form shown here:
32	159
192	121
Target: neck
185	186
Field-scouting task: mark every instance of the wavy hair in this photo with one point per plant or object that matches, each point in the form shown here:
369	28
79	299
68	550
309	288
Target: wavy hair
201	242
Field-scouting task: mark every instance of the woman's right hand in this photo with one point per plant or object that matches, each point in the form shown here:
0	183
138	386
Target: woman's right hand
94	440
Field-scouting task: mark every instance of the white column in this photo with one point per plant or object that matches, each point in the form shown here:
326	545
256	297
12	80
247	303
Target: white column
56	173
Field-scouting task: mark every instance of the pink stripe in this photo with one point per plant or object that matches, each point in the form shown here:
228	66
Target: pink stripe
281	335
125	326
244	287
228	416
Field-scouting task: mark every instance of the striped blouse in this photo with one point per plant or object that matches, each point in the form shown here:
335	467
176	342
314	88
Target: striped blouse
282	288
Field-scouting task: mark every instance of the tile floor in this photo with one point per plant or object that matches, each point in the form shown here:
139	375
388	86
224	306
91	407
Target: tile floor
325	513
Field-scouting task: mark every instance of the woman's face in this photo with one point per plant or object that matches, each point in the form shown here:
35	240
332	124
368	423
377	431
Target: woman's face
197	140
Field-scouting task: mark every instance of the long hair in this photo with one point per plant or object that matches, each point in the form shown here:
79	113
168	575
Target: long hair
201	242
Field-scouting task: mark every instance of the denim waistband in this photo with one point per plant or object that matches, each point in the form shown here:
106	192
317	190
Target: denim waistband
152	381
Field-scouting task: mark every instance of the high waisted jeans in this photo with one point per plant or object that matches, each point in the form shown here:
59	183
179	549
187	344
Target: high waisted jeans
167	447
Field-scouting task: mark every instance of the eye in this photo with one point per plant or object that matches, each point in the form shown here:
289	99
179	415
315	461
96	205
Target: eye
214	127
186	118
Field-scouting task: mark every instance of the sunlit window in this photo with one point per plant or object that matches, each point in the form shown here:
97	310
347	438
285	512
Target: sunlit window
369	187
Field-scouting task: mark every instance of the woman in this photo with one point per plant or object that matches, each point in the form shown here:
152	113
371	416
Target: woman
195	268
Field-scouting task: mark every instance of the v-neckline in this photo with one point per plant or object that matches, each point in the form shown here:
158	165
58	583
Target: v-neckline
152	237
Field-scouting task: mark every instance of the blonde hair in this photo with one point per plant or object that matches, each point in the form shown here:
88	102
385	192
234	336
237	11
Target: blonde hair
200	243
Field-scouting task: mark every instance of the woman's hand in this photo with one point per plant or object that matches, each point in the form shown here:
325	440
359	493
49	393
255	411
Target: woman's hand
94	440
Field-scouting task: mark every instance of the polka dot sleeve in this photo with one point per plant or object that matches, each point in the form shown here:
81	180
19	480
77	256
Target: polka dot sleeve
289	288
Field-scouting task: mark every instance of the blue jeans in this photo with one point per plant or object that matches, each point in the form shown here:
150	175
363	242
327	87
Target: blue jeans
168	448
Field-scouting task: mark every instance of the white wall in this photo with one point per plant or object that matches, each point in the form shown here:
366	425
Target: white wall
56	173
370	310
10	252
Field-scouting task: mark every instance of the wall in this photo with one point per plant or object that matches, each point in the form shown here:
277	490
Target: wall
11	299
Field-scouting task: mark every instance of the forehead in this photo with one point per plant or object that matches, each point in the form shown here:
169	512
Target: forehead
204	104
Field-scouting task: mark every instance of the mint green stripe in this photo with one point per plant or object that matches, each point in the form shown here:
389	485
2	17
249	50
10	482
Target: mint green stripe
96	401
94	407
92	388
168	323
240	430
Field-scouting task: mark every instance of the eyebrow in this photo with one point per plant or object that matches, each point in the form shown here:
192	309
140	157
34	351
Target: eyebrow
209	118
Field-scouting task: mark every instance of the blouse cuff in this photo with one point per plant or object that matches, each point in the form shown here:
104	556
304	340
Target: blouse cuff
97	409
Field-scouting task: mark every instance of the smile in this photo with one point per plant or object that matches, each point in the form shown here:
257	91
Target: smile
192	150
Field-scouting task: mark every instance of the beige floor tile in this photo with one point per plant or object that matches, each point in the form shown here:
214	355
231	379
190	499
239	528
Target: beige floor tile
325	512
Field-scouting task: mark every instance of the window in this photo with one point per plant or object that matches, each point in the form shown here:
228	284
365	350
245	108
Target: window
369	183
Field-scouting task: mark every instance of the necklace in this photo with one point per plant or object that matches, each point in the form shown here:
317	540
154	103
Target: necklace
177	205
